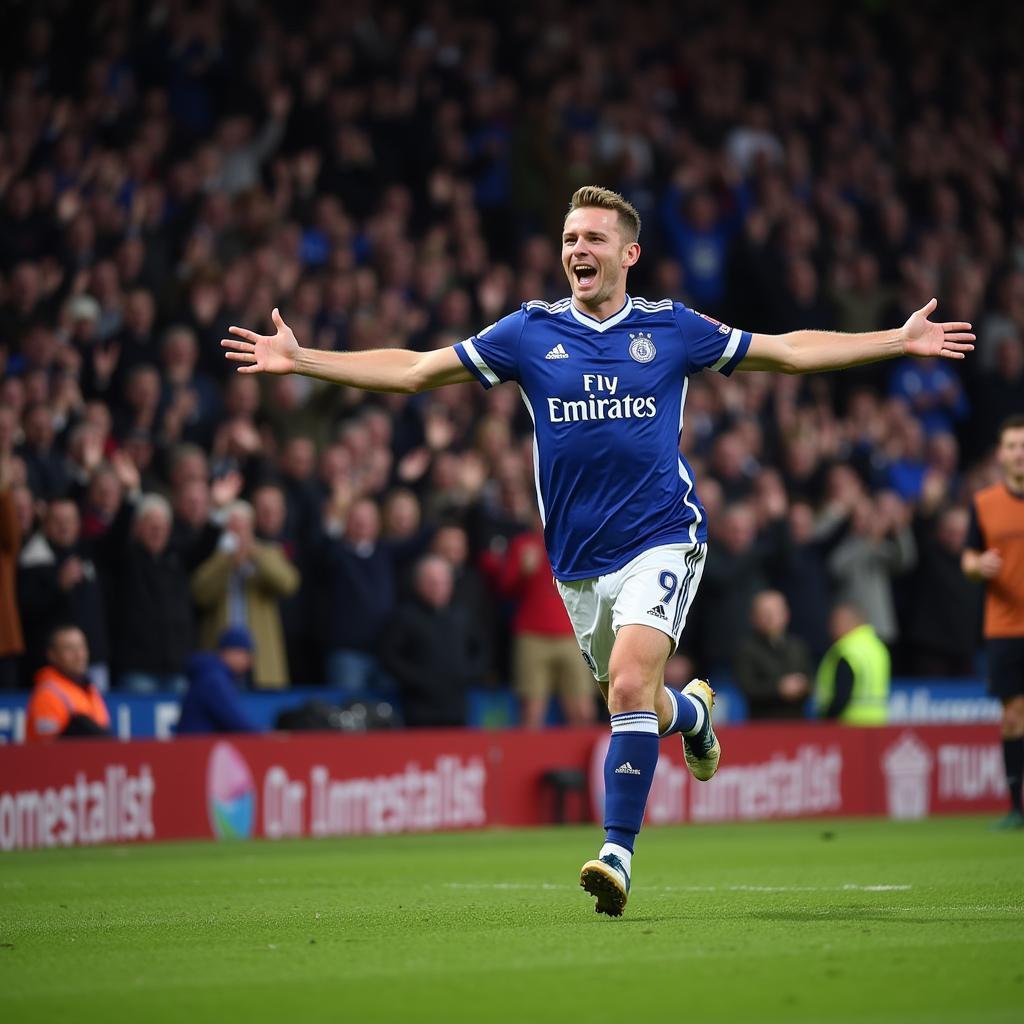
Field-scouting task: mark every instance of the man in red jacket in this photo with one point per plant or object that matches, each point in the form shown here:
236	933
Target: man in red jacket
547	657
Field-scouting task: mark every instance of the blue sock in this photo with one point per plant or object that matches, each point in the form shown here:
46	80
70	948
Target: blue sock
628	773
688	715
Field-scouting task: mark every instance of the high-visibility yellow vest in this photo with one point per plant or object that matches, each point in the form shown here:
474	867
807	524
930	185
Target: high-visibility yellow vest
868	657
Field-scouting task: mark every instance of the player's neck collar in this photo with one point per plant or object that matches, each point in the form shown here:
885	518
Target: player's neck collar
601	325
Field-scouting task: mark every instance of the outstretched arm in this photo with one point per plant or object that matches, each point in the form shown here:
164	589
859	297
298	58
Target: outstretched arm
810	351
386	369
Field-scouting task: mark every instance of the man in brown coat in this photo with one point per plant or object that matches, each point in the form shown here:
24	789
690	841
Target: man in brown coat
243	583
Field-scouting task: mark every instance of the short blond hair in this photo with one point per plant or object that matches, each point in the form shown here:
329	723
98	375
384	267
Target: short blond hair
606	199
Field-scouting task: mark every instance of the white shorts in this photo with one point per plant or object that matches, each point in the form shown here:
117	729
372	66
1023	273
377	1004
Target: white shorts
655	589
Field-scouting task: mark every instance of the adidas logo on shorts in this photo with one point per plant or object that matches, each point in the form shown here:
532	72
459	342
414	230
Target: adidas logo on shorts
627	769
658	612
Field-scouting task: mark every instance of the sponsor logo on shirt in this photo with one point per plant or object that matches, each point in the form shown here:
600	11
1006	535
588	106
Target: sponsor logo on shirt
601	402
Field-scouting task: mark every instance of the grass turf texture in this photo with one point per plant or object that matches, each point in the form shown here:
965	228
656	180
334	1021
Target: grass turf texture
805	921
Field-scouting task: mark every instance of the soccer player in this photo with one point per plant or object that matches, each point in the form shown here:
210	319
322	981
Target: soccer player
995	556
604	377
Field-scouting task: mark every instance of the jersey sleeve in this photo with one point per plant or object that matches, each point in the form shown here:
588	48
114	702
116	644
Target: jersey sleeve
709	343
492	356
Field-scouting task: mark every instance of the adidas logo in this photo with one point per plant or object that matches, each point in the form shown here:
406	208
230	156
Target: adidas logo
658	612
557	353
627	769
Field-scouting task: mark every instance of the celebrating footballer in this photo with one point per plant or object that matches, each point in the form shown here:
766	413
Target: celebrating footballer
604	376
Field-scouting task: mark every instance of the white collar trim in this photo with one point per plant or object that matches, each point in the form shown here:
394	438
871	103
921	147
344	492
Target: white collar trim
601	325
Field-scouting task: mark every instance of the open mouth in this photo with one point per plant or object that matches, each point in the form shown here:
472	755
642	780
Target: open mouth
584	272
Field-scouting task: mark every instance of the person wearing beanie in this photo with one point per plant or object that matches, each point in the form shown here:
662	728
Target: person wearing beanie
213	702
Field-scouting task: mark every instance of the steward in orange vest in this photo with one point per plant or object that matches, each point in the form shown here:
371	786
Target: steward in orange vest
64	702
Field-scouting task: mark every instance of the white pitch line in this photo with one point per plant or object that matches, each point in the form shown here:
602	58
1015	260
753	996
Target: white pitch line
848	887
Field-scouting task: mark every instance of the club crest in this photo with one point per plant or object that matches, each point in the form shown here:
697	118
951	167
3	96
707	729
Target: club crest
641	347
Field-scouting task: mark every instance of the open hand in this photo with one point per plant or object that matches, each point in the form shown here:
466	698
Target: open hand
923	337
70	573
261	353
126	471
226	488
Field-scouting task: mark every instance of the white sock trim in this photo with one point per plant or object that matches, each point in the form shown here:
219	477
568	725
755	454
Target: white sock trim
621	852
636	721
702	714
675	711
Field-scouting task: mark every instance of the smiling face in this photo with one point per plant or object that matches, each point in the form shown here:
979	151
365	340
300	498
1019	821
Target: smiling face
596	257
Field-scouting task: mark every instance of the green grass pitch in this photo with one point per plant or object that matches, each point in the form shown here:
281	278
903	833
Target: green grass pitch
804	921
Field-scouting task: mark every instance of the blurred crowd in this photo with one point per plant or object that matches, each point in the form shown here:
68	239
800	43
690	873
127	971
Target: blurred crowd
395	175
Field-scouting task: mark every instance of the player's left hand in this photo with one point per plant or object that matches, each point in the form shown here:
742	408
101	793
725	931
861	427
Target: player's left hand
923	337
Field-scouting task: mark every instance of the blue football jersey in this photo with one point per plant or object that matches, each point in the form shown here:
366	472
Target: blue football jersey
606	397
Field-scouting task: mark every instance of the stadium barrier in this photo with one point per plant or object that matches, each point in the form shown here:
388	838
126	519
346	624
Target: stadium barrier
91	792
917	701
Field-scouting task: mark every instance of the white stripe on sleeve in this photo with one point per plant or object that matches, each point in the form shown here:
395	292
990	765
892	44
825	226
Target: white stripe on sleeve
470	349
730	349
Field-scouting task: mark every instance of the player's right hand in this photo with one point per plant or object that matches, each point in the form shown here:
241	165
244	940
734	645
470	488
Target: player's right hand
261	353
989	563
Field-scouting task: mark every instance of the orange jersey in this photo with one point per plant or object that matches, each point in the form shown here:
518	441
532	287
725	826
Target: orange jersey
1000	518
55	699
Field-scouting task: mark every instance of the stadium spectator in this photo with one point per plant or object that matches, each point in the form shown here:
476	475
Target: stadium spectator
12	641
546	657
41	453
861	298
360	590
852	682
58	583
469	592
699	234
270	522
736	570
433	650
212	703
242	584
64	702
194	531
152	624
401	516
943	610
800	573
772	666
878	546
101	501
189	398
935	394
679	670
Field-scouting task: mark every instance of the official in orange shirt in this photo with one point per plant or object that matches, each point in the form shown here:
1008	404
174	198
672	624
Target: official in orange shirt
995	555
64	703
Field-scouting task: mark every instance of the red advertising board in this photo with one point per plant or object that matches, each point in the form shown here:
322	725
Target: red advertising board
791	771
83	793
913	772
